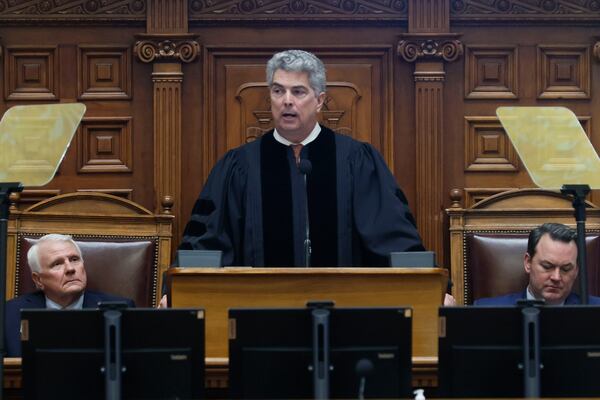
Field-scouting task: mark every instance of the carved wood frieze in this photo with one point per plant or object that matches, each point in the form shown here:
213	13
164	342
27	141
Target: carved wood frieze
173	48
525	10
416	47
83	10
309	10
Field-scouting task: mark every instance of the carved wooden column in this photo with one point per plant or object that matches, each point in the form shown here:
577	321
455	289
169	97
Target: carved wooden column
429	45
167	45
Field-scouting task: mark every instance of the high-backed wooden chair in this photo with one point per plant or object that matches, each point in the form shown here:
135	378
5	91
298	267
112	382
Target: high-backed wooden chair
125	247
488	240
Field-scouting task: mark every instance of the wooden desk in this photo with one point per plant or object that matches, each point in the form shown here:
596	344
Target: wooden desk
219	289
216	376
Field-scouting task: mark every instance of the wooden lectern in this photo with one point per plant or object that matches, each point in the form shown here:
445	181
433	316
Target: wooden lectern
219	289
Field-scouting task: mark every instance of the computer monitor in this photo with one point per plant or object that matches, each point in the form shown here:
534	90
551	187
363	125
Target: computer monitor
162	354
270	353
480	351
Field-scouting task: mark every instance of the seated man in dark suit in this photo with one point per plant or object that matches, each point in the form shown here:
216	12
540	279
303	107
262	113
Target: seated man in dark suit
58	272
551	263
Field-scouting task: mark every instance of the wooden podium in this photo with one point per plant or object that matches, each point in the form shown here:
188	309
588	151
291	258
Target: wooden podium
219	289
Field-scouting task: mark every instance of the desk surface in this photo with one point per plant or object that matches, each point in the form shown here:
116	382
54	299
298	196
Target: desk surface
216	290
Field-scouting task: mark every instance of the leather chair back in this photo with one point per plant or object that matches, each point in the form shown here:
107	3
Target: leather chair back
124	268
496	260
125	247
488	241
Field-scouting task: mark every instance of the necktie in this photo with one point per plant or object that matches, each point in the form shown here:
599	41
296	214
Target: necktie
297	148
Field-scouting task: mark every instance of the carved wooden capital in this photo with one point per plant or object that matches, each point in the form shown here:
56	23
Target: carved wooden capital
172	48
445	46
596	50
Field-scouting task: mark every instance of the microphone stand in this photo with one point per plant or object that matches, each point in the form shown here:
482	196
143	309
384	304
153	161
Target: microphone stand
305	167
5	190
579	192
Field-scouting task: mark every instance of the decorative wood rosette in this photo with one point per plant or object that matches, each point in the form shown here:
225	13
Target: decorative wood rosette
596	50
441	47
174	48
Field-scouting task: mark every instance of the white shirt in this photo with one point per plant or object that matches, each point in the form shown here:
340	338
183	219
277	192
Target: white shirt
530	296
312	136
76	305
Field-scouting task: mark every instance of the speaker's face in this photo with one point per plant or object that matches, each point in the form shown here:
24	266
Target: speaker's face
294	104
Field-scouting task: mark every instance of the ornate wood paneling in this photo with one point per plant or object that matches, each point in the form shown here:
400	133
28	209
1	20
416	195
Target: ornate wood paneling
491	72
487	147
104	72
563	72
475	195
167	16
109	11
429	16
105	145
256	11
31	73
492	11
184	112
123	193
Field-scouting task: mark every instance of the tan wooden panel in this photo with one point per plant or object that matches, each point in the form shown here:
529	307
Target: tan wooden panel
217	290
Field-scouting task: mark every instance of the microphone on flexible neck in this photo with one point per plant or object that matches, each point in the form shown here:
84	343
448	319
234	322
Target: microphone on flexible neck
364	367
305	167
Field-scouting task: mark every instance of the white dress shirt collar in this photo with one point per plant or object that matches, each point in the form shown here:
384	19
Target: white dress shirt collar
76	305
312	136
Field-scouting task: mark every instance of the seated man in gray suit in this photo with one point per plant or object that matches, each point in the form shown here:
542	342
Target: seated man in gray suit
551	263
58	272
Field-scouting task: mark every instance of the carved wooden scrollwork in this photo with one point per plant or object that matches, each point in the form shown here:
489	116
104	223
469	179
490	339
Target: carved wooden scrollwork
596	50
413	47
181	48
526	8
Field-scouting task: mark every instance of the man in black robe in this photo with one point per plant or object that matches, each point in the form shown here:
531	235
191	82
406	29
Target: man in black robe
254	203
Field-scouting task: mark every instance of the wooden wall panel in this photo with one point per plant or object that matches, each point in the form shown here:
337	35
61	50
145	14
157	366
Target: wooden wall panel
553	68
31	73
93	65
170	85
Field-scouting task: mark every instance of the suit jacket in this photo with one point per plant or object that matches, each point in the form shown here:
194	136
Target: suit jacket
12	316
511	299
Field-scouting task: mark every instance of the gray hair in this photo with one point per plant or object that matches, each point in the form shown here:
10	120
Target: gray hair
299	61
33	257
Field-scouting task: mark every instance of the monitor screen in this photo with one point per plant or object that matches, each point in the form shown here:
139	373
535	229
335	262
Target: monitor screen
270	352
480	351
162	354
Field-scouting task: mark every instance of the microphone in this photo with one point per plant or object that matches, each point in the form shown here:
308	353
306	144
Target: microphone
363	368
305	167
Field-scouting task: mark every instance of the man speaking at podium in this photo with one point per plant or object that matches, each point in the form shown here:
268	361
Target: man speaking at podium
253	205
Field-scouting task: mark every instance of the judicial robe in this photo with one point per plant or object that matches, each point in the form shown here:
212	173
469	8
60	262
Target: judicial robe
253	206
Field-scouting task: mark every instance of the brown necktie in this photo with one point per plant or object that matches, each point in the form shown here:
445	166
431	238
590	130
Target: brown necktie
297	149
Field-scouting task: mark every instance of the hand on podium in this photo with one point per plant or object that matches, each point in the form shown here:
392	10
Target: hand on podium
449	300
163	302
